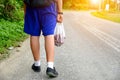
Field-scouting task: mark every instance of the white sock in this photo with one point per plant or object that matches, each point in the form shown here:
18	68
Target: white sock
50	64
37	63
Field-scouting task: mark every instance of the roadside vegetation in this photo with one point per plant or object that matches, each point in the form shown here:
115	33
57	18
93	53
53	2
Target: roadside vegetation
11	25
111	15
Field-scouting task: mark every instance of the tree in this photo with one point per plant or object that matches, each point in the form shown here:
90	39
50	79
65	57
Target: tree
76	4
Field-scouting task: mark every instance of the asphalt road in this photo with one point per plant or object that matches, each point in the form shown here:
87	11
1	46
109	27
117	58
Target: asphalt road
91	52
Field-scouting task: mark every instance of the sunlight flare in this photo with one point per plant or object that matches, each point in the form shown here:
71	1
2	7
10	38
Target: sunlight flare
95	1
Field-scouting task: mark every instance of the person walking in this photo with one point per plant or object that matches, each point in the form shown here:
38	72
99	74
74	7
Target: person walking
43	20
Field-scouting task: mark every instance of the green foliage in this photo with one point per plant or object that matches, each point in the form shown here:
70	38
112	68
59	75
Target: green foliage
11	25
11	33
9	9
20	2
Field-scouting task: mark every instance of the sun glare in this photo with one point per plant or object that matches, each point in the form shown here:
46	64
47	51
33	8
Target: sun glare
95	1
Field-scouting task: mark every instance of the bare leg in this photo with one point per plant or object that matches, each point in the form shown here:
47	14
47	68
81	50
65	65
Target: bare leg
35	47
49	47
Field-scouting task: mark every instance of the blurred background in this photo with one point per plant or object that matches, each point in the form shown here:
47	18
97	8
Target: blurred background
92	4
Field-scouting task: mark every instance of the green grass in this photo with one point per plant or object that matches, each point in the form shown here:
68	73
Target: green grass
11	33
112	16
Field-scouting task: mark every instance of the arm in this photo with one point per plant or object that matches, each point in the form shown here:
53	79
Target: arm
24	8
59	5
59	10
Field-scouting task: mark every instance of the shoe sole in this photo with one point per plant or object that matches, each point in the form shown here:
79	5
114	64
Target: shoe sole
50	74
36	70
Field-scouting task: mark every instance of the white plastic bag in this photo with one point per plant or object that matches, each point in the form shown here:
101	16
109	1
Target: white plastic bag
59	34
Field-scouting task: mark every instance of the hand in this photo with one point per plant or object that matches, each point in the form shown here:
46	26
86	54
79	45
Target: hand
60	18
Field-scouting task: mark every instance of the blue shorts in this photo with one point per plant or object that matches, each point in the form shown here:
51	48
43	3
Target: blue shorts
39	20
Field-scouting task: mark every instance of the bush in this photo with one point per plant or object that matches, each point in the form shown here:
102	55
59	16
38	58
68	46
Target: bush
11	25
11	33
9	9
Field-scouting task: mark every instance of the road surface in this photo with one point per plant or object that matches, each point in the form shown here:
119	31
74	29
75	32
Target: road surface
91	52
